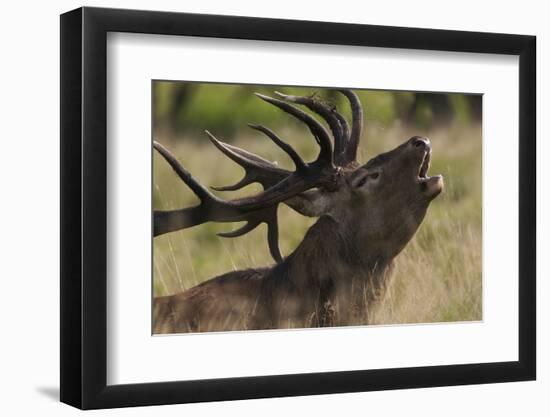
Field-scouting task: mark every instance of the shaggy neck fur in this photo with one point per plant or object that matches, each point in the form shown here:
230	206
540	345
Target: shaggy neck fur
330	279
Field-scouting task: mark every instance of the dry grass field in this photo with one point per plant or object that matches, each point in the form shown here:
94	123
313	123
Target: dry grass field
438	276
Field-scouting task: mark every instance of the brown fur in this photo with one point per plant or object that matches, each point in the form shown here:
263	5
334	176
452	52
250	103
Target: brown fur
339	270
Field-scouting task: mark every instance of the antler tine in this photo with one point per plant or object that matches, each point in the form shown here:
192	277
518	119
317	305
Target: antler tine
337	123
166	221
272	233
298	161
200	191
316	128
318	173
257	169
248	227
357	125
273	237
344	124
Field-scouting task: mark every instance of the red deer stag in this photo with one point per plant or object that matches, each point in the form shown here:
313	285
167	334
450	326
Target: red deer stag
367	214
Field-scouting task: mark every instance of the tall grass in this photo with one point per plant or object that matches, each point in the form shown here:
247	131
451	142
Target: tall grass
437	277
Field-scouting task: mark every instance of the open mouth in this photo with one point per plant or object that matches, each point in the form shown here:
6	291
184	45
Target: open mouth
430	186
425	166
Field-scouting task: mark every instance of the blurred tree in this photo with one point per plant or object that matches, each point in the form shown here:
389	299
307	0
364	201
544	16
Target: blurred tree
192	107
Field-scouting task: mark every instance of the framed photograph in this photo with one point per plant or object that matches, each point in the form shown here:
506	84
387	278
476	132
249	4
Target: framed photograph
257	208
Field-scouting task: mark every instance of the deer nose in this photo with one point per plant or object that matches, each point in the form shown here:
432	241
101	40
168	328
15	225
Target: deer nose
420	142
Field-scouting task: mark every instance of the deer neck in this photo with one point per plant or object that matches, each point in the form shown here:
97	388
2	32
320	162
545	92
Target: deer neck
332	252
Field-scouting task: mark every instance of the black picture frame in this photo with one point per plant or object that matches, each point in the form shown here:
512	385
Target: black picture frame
84	207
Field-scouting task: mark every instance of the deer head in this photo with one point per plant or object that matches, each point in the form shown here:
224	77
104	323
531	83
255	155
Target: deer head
379	205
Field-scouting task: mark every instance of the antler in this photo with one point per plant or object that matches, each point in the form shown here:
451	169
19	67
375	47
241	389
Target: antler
345	142
294	188
350	151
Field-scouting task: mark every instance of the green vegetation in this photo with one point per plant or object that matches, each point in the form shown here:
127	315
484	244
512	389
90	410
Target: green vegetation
189	108
437	277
